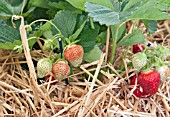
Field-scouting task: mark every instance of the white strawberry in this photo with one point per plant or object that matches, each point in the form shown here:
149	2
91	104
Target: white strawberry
139	60
164	72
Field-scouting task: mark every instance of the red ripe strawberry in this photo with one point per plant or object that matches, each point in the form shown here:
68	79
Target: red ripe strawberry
138	48
61	70
48	78
74	54
137	92
149	81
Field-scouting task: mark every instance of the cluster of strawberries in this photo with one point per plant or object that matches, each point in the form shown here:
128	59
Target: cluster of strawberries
60	69
149	63
151	69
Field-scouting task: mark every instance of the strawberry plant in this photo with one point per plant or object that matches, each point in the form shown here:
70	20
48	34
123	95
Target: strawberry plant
112	13
104	50
123	11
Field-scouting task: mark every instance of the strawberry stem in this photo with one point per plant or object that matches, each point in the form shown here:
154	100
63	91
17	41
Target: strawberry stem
61	48
114	44
61	52
44	20
91	23
124	57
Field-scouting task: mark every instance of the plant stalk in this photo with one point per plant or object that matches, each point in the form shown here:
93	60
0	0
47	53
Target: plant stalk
91	23
46	21
114	44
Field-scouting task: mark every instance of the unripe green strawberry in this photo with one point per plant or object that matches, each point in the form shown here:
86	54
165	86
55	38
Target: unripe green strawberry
44	66
61	69
74	54
139	60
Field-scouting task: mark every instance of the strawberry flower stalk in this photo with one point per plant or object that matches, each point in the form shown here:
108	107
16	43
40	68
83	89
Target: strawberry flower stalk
61	47
61	53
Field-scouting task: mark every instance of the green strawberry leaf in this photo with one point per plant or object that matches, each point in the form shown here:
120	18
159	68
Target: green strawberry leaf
10	45
151	25
39	3
148	10
163	5
46	30
134	9
9	37
17	6
80	3
80	20
93	55
101	39
76	34
156	61
66	22
105	15
133	38
167	2
9	8
88	37
6	9
64	5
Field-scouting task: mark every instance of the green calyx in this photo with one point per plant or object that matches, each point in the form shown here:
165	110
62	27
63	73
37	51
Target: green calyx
149	59
48	45
160	51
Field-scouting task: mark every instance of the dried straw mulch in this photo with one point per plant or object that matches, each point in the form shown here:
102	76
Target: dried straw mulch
98	90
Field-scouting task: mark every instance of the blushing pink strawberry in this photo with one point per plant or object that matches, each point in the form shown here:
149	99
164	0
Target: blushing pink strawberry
61	69
74	54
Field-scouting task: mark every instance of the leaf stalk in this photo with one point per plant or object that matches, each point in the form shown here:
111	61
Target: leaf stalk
114	44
